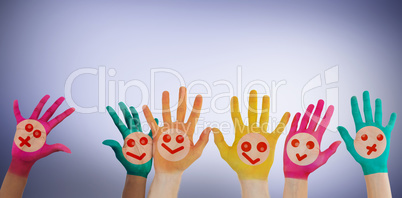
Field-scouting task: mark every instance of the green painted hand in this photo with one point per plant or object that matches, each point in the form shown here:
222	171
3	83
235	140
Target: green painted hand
370	148
136	153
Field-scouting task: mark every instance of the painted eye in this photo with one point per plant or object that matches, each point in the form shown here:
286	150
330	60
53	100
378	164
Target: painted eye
261	147
179	139
246	146
380	137
28	127
364	137
144	141
310	144
37	133
295	143
167	138
131	143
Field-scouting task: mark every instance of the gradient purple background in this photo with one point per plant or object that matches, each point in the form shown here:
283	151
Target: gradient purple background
42	42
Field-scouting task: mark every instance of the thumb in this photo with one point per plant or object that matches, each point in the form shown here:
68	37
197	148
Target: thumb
345	136
202	142
220	142
49	149
116	148
329	152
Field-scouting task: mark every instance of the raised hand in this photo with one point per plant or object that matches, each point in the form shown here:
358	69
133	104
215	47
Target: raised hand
174	149
252	153
30	138
302	154
371	146
136	154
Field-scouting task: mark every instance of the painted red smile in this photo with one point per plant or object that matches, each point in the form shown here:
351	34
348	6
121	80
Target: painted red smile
136	156
371	149
300	158
170	150
249	158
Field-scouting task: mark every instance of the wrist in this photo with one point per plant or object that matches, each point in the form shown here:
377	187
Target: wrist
370	169
297	175
295	188
254	188
165	185
377	185
20	167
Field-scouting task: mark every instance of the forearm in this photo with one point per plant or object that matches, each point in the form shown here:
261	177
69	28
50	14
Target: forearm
378	185
295	188
165	185
134	187
13	186
254	188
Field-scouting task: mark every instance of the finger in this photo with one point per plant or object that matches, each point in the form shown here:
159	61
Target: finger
195	114
39	107
151	121
252	109
119	124
317	115
116	148
235	113
357	117
295	122
346	136
17	112
264	119
49	149
220	142
391	122
166	115
182	105
330	151
202	142
378	111
306	118
55	121
368	114
325	122
281	126
127	117
136	118
52	109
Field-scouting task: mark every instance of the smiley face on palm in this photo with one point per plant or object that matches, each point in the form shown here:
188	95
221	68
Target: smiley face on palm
371	146
174	149
252	153
136	153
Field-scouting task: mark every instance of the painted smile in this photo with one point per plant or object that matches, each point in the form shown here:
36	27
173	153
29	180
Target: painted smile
371	149
136	156
249	158
300	158
170	150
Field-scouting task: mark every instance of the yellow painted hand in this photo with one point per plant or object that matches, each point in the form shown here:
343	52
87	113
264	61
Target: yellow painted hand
174	149
252	153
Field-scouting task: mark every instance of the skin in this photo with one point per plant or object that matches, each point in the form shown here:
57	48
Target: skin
134	186
13	186
295	188
168	173
378	185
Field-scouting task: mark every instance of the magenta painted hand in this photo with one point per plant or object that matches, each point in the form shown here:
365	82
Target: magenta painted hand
302	153
30	138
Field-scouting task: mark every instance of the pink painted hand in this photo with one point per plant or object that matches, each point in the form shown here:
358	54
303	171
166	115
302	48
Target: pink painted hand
30	138
302	153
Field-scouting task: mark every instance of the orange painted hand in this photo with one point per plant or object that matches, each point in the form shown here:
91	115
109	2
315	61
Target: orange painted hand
252	153
174	150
